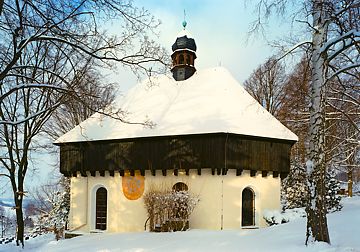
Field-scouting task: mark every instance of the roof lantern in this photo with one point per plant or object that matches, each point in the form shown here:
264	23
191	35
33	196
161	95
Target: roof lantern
183	56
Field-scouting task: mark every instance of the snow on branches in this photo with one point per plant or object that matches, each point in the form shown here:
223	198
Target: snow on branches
56	201
295	190
169	210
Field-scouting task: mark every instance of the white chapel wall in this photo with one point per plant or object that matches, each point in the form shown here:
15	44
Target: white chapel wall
219	206
78	201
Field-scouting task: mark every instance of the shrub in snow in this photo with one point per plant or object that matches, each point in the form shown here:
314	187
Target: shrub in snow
294	193
275	217
332	186
356	188
169	210
55	216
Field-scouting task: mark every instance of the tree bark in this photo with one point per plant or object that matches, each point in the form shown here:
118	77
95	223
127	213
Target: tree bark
19	220
317	229
350	182
1	6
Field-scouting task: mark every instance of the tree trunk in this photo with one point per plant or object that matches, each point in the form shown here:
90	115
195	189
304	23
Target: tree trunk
317	229
18	198
350	182
19	221
1	6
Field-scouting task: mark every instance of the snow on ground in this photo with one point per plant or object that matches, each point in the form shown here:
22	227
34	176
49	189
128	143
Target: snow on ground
344	229
33	244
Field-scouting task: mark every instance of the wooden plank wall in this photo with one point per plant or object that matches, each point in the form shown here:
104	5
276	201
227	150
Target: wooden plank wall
220	151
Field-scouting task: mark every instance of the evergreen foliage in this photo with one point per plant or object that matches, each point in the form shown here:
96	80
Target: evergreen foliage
332	185
295	191
56	217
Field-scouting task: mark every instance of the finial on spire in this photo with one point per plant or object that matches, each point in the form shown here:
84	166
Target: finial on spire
184	22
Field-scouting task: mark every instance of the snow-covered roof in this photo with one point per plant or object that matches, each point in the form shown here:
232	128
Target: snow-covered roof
211	101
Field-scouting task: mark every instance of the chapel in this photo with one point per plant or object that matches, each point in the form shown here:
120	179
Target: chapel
194	130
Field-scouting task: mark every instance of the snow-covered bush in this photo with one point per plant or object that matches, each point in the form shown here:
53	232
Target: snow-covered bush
53	207
275	217
332	186
169	210
356	188
294	193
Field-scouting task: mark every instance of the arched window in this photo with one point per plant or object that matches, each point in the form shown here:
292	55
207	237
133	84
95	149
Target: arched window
248	207
180	186
181	59
101	208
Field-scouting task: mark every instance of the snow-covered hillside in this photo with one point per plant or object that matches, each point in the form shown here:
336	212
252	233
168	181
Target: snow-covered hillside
344	230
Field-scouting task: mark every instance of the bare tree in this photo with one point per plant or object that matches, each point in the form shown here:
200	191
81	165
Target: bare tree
46	51
285	95
342	137
342	127
334	28
325	47
266	85
98	96
6	222
76	25
294	106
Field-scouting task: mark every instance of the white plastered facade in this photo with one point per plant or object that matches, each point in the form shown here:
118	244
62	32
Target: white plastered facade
219	206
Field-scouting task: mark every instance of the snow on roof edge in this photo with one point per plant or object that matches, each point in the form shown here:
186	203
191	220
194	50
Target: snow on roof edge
58	143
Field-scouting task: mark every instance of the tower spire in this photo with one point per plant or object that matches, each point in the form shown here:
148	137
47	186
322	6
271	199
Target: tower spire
184	23
184	54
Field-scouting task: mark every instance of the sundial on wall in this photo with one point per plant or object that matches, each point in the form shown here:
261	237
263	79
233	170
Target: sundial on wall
133	186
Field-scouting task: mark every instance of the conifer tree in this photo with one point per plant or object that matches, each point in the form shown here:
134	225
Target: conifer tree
295	191
294	188
53	203
332	185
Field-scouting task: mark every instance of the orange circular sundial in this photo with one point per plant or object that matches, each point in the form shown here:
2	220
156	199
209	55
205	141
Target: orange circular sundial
133	186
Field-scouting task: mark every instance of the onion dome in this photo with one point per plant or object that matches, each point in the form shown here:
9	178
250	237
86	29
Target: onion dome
184	40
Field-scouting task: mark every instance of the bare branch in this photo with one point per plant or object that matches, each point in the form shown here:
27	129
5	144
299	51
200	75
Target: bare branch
4	175
290	50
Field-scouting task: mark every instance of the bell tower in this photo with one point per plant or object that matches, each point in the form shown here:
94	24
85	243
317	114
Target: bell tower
183	56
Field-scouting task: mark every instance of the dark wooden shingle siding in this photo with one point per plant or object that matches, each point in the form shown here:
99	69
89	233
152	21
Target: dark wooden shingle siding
217	151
